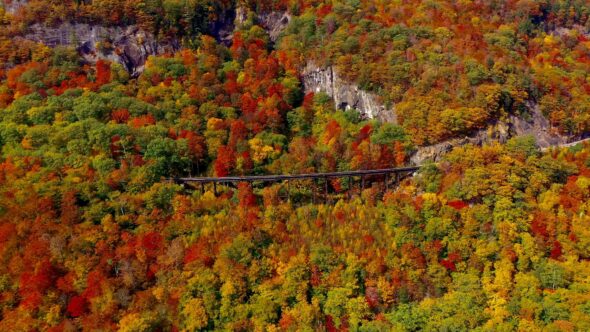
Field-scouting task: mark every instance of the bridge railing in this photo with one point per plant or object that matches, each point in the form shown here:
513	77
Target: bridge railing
278	178
386	176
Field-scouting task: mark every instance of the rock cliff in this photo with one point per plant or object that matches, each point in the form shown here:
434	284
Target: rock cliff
533	123
537	125
274	23
497	132
346	95
223	27
11	6
129	46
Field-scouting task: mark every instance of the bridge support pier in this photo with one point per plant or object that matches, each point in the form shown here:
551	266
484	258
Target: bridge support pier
288	190
314	187
349	187
326	199
362	184
314	178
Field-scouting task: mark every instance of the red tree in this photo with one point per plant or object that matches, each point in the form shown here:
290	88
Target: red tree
103	72
77	306
225	161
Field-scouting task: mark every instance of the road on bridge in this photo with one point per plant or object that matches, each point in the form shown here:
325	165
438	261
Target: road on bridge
385	175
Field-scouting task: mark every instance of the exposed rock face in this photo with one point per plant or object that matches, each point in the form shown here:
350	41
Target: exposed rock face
11	6
223	27
274	23
498	132
349	96
241	16
129	46
567	145
346	95
534	124
563	31
538	126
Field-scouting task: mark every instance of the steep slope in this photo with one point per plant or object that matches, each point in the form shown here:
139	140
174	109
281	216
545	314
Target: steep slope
123	32
12	6
445	72
346	95
130	46
532	124
94	236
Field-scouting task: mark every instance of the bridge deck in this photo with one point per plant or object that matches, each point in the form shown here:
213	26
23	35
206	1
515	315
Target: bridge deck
277	178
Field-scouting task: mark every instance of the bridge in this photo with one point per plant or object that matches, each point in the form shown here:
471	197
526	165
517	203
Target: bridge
386	177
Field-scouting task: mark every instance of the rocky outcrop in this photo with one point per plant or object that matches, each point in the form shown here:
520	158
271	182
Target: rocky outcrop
563	31
567	145
241	16
223	27
497	132
129	46
533	123
346	95
274	22
11	6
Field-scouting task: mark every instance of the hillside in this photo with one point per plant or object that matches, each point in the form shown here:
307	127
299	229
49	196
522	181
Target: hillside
104	102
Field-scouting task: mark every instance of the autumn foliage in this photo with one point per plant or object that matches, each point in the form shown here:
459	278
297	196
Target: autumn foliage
96	235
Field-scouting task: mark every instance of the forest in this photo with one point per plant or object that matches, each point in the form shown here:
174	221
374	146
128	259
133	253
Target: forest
95	237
